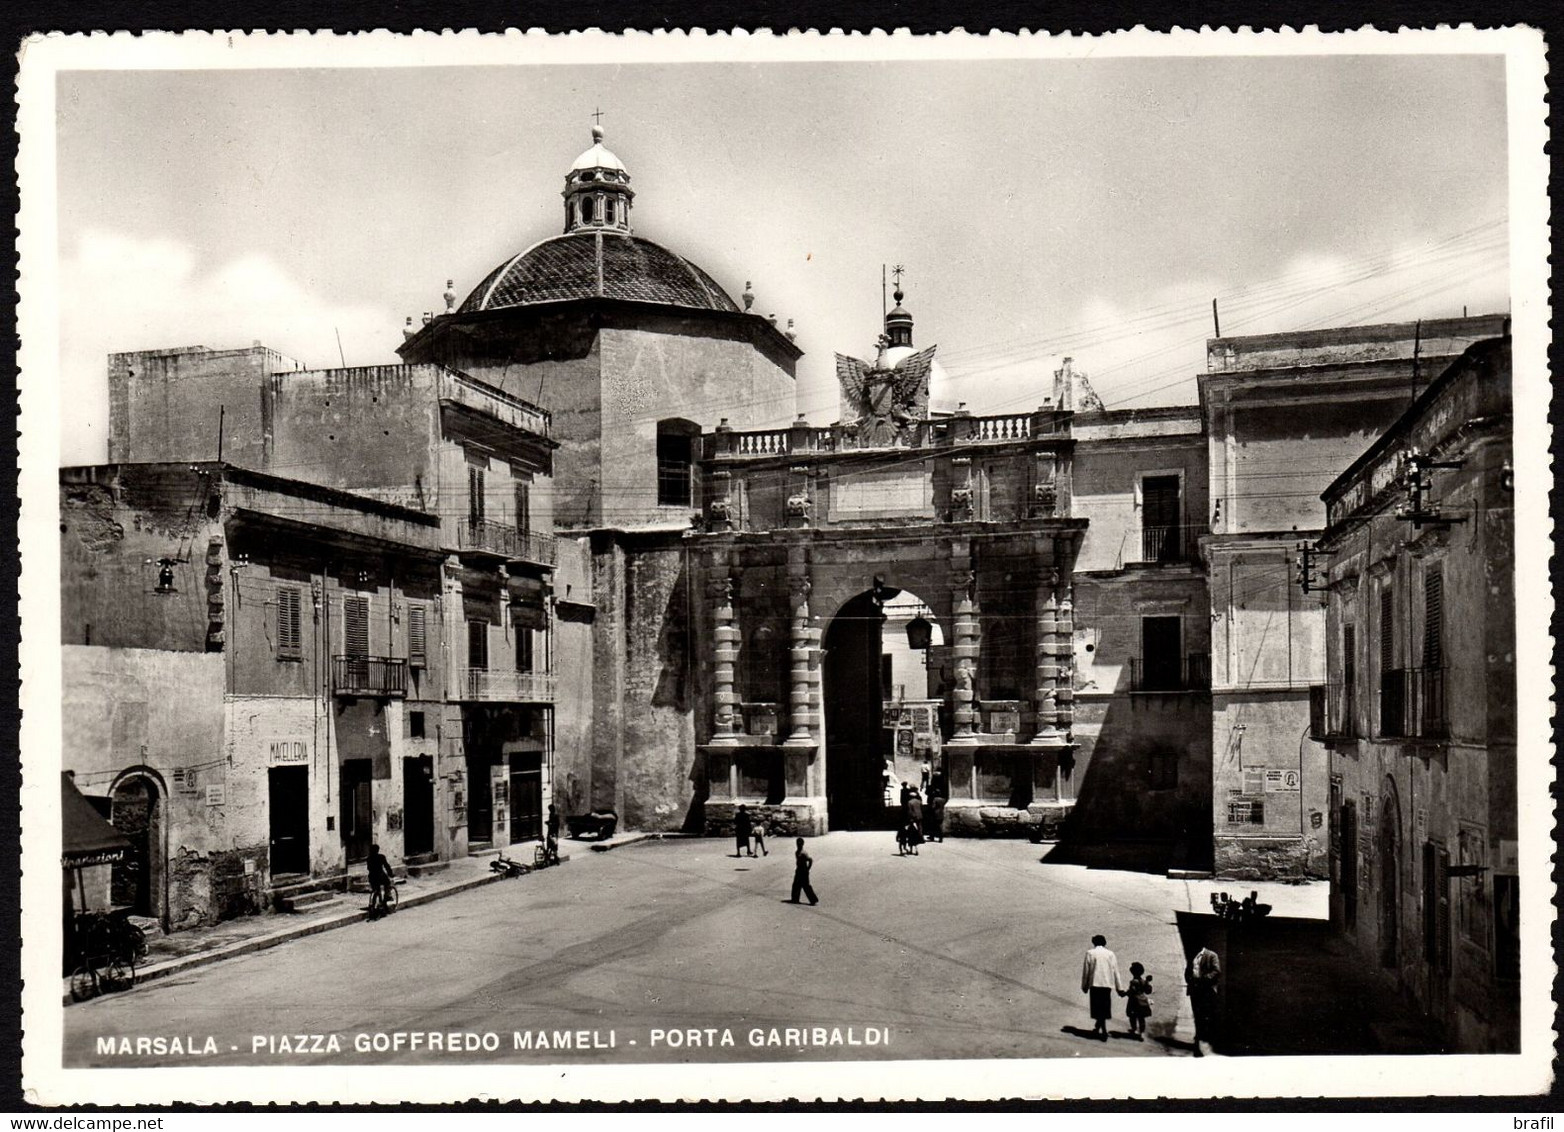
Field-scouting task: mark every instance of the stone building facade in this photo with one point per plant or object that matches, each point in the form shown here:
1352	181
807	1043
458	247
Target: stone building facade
453	661
1417	707
634	351
251	678
1109	646
1284	415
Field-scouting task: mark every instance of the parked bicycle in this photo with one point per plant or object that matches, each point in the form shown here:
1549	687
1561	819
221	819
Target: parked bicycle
506	867
109	946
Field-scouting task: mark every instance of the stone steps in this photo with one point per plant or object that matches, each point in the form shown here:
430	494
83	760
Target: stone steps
309	901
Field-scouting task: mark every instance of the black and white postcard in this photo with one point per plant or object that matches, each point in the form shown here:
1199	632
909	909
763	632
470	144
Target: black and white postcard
750	567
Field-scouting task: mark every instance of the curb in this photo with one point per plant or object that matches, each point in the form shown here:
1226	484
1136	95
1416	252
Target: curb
636	838
185	963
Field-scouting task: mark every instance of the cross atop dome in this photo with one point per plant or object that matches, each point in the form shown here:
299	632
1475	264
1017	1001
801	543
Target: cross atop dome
597	189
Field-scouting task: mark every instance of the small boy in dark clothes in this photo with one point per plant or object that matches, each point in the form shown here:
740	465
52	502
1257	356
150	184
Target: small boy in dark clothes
1138	1008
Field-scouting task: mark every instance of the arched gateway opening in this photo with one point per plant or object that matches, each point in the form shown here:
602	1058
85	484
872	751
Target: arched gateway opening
875	653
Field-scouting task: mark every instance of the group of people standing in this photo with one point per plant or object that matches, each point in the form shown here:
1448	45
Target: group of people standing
920	820
1100	979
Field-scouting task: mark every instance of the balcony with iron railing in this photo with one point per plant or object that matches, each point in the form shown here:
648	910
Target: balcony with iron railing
1412	704
1168	545
379	676
484	536
1190	673
484	685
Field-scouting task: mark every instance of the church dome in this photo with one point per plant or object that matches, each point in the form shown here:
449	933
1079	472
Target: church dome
598	256
605	265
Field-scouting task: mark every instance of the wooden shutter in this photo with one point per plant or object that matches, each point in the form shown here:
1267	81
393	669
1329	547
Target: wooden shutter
478	644
523	647
1434	617
289	639
475	486
1349	680
417	636
1387	630
355	626
1159	501
523	506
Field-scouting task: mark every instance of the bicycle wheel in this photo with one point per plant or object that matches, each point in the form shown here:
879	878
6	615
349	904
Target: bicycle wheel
118	975
84	983
390	899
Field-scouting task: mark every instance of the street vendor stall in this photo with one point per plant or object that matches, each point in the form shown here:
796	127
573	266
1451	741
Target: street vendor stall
86	841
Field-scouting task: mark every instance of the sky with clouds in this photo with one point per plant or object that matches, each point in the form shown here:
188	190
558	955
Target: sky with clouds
1087	207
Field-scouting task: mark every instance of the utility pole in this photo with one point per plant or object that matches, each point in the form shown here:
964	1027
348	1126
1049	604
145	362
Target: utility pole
1216	322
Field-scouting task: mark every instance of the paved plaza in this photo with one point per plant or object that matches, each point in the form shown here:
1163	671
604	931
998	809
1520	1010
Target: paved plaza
665	950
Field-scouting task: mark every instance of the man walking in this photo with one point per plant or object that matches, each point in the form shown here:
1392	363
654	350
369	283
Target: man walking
1205	969
741	832
802	862
1099	979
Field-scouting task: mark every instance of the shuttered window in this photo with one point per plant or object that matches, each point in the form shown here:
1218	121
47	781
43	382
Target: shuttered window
290	641
478	645
1436	906
355	626
523	647
523	507
475	489
417	636
1387	630
1434	617
1348	723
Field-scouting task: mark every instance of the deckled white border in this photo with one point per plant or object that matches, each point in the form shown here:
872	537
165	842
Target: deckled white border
45	1079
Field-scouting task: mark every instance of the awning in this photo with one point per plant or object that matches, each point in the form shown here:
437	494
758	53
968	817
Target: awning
85	837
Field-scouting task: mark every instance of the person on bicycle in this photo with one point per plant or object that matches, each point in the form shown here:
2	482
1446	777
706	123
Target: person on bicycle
551	845
379	880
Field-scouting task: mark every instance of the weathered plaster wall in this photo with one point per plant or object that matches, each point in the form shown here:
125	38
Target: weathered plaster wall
1254	733
659	732
573	665
553	362
369	429
675	368
166	404
1105	481
120	711
115	524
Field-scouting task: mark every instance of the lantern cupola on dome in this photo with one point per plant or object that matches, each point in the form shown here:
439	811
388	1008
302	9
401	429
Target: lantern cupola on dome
597	191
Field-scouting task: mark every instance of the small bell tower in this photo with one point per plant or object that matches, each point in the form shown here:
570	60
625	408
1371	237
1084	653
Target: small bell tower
898	321
597	189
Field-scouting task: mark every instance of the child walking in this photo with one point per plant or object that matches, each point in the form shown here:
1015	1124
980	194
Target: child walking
1138	1008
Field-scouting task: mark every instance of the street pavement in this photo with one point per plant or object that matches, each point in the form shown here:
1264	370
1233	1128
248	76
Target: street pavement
669	951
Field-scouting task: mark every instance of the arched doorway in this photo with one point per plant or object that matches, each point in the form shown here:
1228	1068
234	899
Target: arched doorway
1389	878
850	671
136	810
866	661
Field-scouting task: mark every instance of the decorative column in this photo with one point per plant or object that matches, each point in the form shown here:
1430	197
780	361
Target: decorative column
1055	658
965	649
726	727
803	680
